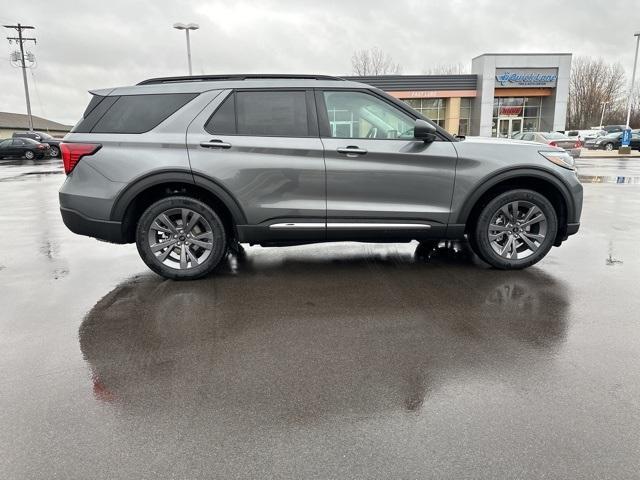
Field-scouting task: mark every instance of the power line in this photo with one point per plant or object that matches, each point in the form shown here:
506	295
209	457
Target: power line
20	40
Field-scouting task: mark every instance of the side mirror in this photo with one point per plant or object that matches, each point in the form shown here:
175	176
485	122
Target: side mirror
424	131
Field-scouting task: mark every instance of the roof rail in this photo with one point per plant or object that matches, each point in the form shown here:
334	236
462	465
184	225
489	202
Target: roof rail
213	78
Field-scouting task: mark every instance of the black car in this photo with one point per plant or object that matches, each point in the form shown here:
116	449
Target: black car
612	141
613	128
23	147
42	137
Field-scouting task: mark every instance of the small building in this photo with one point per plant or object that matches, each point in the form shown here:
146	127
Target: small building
19	122
505	94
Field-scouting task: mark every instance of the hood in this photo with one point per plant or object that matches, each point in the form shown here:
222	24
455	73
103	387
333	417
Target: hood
498	141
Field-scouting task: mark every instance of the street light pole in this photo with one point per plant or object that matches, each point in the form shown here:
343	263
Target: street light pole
604	105
186	28
633	77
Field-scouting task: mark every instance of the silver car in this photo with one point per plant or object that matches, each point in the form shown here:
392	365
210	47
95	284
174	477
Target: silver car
553	139
189	168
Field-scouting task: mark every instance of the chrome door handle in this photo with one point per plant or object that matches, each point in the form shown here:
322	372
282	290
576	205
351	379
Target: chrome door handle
352	151
215	144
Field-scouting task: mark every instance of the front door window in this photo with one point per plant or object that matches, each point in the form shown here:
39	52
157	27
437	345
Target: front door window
361	115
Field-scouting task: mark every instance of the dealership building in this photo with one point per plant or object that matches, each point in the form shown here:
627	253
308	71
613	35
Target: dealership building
504	94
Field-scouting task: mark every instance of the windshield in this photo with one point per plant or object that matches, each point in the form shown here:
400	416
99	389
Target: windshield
554	136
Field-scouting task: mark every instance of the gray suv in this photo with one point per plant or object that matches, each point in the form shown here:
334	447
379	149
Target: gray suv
190	167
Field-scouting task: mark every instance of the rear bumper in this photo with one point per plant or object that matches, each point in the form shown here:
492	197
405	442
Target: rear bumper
108	231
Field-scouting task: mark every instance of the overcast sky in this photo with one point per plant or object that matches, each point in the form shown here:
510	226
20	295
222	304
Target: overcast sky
96	44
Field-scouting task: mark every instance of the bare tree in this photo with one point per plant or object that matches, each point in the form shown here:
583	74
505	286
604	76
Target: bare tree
374	61
592	82
447	69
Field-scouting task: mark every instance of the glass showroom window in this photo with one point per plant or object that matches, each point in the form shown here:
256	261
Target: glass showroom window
465	117
432	108
528	109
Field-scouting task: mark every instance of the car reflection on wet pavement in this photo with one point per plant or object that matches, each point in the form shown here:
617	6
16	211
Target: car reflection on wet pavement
329	361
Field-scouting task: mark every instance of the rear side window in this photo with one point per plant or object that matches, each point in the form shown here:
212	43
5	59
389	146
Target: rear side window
131	113
262	113
223	121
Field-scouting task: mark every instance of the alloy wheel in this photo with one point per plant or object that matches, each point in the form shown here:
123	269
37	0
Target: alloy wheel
180	238
517	230
29	155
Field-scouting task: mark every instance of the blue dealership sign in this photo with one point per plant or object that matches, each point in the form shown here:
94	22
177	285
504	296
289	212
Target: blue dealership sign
526	77
626	137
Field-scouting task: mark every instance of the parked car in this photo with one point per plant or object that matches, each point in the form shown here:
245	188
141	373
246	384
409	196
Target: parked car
612	141
190	167
584	135
23	147
54	143
613	128
553	139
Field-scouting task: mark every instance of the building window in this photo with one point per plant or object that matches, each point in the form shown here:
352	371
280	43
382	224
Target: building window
465	117
432	108
527	109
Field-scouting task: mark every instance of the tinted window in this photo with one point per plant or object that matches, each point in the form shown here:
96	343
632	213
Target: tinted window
5	143
19	142
275	113
140	113
223	121
92	115
360	115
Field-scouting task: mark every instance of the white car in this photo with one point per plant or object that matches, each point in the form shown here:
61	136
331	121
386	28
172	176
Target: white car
584	135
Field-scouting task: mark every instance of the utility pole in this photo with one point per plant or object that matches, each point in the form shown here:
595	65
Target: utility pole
20	40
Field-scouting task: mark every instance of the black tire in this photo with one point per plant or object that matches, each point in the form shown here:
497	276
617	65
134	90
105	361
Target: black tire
29	155
54	151
218	238
479	238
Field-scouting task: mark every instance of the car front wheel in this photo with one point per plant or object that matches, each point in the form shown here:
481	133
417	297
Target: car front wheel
608	147
54	152
181	238
515	230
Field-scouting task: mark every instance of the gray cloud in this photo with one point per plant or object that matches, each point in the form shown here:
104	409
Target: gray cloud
89	45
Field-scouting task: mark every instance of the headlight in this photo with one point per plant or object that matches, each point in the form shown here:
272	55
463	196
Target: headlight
560	158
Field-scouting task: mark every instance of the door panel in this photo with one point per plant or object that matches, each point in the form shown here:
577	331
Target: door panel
382	175
394	180
275	179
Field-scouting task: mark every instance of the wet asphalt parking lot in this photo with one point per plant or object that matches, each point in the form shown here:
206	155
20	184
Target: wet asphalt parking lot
328	361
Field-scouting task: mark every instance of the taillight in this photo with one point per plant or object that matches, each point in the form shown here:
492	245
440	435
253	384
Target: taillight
553	144
41	147
73	152
578	144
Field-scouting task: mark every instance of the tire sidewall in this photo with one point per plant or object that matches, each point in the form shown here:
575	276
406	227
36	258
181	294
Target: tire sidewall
481	238
218	230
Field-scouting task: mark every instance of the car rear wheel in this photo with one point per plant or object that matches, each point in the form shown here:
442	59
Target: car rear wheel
181	238
53	151
515	230
608	147
29	155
